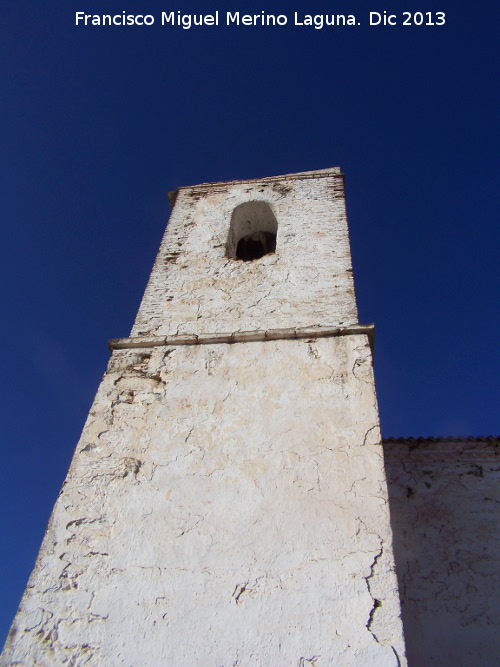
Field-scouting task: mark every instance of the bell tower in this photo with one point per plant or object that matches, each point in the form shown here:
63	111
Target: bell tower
227	503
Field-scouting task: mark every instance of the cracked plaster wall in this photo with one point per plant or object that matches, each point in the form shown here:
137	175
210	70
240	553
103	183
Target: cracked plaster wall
444	500
227	503
195	288
212	518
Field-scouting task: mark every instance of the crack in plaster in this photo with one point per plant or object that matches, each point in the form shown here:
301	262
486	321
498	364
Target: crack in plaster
376	603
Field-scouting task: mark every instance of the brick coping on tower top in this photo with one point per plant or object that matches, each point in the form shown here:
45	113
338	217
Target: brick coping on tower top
334	172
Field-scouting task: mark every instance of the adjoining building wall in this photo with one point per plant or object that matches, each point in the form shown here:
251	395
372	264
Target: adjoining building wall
444	500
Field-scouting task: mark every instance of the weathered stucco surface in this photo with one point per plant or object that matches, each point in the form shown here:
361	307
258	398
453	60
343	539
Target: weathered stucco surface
444	499
226	505
195	288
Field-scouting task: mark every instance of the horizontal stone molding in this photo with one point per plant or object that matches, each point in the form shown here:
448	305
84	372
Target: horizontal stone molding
242	336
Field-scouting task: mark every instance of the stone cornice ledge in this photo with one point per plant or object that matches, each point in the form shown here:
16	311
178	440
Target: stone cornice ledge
242	336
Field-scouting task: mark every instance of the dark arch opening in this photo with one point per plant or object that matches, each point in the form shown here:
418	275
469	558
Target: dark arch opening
252	233
255	246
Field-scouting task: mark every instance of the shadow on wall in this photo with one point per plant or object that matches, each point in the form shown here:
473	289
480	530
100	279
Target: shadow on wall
444	500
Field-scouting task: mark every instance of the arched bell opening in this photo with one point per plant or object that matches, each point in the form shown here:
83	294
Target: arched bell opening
253	230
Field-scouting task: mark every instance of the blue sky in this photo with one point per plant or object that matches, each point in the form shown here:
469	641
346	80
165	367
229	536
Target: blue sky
99	123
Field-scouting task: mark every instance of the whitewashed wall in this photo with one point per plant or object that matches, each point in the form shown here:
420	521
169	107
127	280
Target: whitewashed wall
227	503
195	288
445	512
